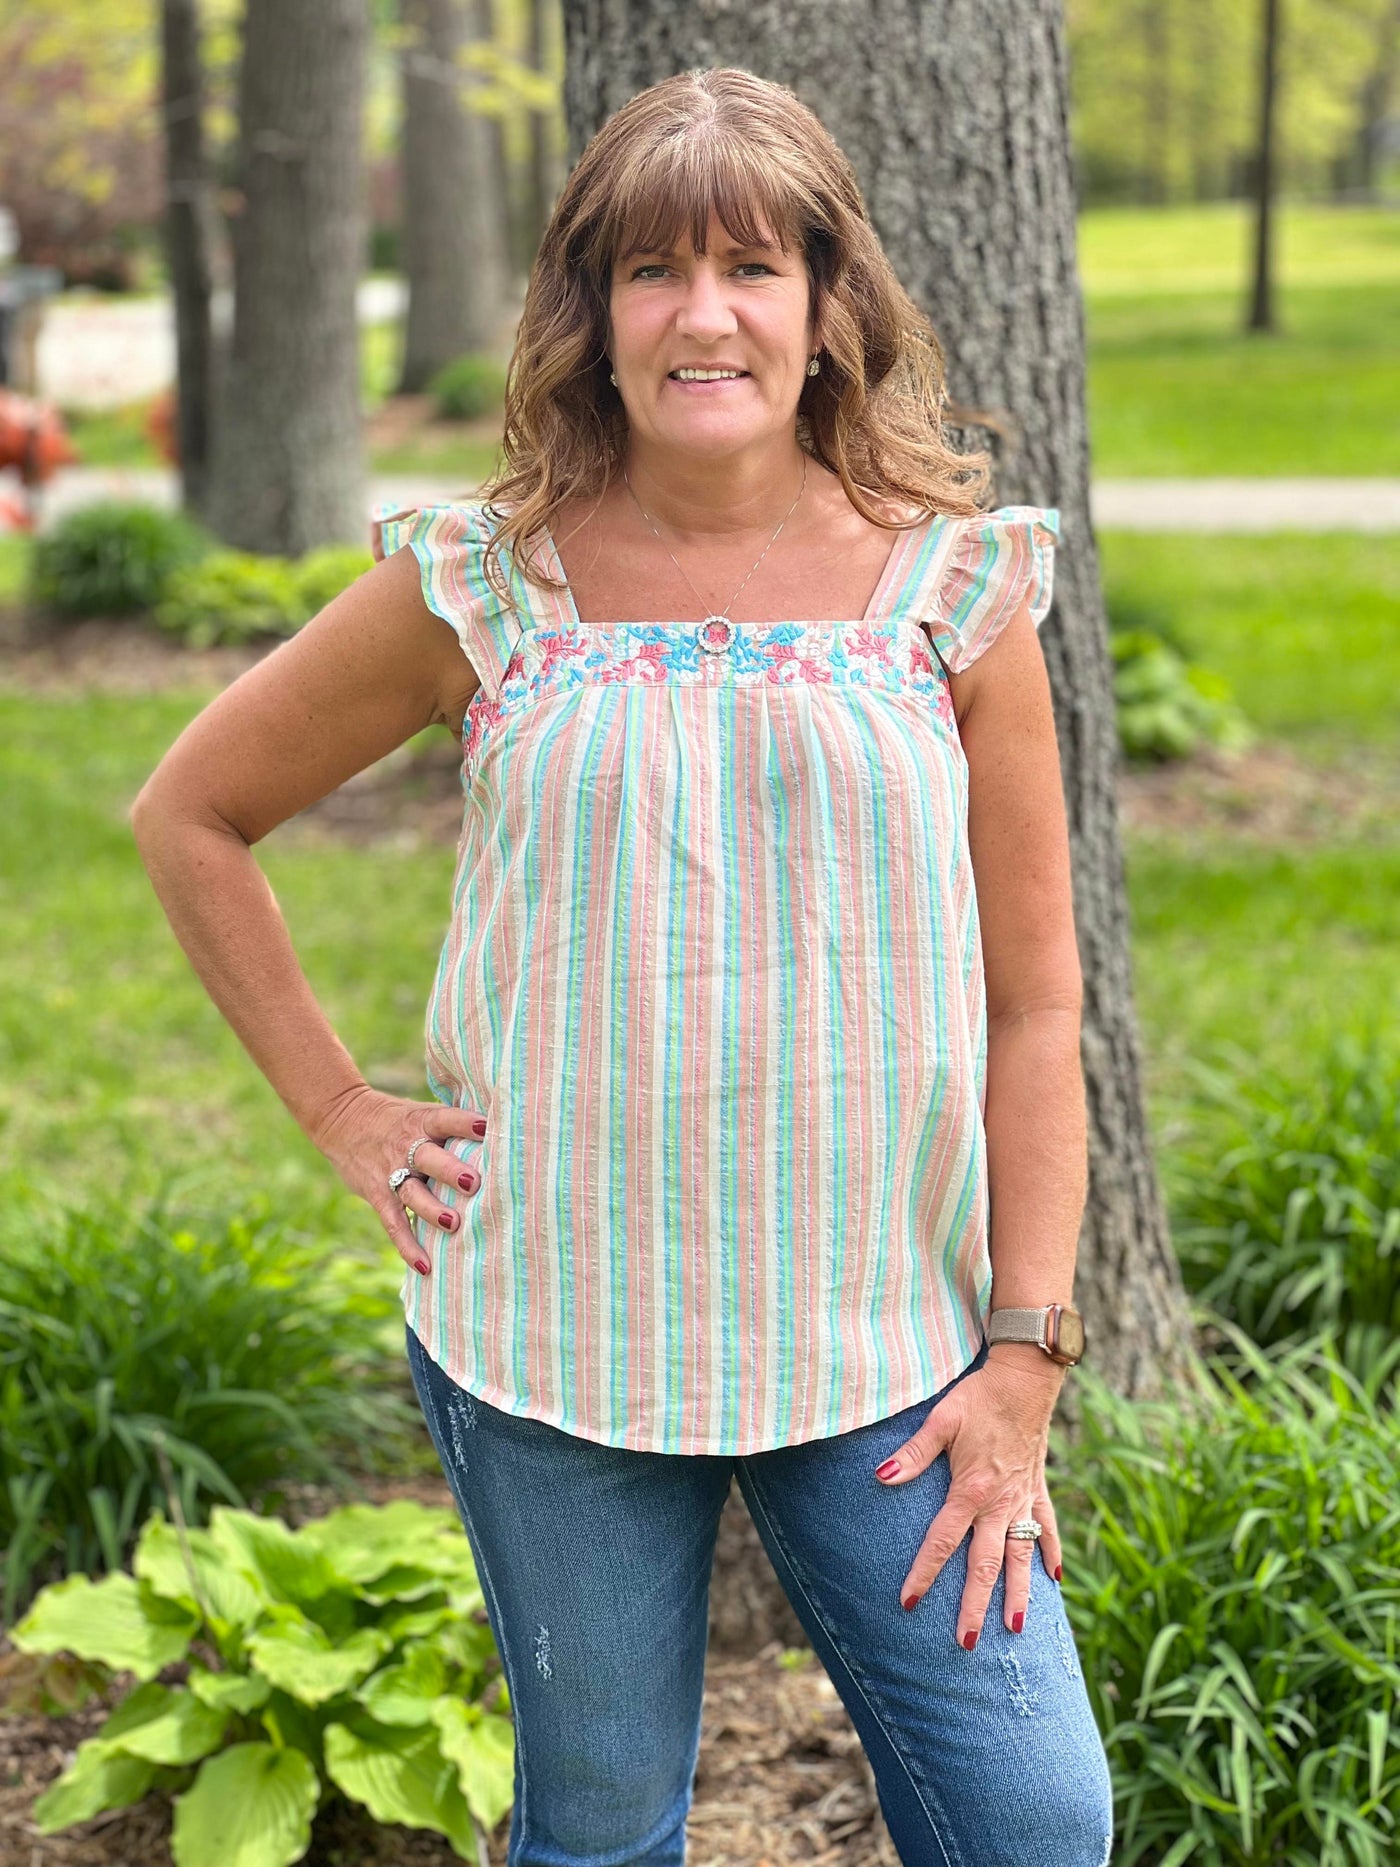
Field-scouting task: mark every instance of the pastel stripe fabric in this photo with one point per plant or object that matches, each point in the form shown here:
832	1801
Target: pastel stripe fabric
713	973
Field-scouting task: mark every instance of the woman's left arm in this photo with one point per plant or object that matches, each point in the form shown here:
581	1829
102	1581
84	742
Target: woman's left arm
994	1423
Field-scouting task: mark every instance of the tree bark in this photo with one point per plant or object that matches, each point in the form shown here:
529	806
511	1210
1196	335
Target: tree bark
1261	297
955	116
188	241
452	221
287	469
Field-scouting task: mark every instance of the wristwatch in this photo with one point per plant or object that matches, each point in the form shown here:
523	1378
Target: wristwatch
1058	1329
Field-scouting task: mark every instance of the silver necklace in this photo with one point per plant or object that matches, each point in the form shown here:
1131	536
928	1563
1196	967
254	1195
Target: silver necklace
716	632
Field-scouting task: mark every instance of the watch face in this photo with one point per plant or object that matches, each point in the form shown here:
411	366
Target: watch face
1069	1333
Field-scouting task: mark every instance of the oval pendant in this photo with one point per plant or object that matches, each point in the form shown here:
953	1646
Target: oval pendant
715	634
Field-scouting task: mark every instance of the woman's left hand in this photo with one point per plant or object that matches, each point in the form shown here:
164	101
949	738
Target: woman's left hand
995	1428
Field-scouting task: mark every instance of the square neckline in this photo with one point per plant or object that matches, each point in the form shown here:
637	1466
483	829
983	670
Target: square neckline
873	609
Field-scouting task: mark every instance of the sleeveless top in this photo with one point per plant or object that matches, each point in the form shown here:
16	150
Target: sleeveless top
713	974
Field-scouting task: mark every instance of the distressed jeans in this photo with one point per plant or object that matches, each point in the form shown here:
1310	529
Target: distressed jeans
595	1564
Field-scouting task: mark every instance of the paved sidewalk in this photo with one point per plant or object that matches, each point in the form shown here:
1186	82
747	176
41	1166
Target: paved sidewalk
1130	505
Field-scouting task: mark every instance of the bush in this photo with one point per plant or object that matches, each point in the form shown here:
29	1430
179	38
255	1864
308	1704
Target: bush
1232	1574
470	386
1166	705
230	1347
238	596
1288	1219
111	558
349	1658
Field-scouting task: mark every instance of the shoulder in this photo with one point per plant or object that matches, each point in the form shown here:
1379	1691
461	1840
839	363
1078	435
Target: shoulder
994	563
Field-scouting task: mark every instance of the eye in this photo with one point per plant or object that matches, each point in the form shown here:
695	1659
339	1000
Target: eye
655	267
755	262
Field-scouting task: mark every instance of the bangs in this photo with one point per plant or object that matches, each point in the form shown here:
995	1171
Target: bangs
673	188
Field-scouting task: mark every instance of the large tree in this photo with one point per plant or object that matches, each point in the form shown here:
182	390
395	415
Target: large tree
955	115
287	462
454	221
188	235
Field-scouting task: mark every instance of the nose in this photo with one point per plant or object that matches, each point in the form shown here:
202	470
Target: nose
704	313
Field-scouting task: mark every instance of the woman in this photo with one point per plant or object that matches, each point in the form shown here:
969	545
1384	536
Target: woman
759	995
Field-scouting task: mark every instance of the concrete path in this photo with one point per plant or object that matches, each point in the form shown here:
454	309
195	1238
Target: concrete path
1129	505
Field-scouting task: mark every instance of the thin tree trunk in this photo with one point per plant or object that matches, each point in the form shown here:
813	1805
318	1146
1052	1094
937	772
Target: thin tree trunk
187	234
542	181
452	224
287	470
1261	302
955	115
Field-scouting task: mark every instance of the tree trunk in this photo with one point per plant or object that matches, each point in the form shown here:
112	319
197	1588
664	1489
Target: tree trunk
1261	299
188	242
287	471
456	283
542	181
955	116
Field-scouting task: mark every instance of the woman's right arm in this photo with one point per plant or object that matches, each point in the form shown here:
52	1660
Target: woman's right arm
371	669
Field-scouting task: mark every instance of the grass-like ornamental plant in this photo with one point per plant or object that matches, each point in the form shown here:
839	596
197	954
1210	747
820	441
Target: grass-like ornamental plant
1232	1573
1286	1214
241	1352
112	557
350	1658
470	386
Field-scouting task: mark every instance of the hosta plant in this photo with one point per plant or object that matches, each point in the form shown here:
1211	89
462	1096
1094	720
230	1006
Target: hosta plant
349	1658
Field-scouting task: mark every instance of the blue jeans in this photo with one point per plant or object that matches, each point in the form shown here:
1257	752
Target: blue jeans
595	1563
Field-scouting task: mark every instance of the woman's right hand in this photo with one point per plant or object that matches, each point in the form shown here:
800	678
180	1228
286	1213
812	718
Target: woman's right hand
369	1134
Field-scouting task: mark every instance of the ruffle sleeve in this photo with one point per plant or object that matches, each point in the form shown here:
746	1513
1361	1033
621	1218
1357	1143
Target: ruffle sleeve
997	560
449	542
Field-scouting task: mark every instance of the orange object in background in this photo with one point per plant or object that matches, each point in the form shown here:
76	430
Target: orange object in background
160	427
34	441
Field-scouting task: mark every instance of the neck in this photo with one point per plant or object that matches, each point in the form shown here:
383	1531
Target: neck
707	499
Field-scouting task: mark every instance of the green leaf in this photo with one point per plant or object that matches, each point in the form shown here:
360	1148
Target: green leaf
285	1564
401	1776
96	1780
251	1806
365	1542
405	1693
172	1729
483	1748
117	1620
240	1692
233	1599
299	1657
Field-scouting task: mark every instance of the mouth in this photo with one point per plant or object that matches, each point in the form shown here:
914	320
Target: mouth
707	382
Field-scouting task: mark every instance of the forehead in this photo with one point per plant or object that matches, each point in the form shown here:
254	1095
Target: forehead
669	228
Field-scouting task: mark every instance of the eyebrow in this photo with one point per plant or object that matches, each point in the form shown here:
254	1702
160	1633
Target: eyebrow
726	252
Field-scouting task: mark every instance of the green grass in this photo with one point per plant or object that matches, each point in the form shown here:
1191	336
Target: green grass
1302	624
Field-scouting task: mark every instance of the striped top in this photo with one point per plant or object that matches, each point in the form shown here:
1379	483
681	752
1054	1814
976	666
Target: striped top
713	973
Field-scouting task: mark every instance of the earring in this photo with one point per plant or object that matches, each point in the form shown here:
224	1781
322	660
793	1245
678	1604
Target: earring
814	367
612	377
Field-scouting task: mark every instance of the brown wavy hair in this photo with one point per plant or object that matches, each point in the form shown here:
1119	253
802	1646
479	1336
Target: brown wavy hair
726	140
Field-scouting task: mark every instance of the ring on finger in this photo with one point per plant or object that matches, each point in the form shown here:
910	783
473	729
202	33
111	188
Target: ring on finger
1025	1529
400	1174
416	1145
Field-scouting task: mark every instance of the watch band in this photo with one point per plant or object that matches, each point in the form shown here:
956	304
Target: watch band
1057	1329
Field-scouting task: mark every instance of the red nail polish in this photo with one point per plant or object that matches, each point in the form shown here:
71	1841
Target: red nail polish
467	1181
1059	1571
1018	1621
479	1128
969	1641
888	1469
422	1267
447	1221
910	1601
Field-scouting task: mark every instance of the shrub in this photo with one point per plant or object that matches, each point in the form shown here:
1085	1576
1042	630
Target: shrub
238	596
111	558
1166	705
230	1347
1287	1218
350	1658
470	386
1232	1573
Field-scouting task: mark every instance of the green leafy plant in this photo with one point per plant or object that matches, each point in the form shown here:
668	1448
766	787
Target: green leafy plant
245	1353
111	558
351	1658
1286	1214
239	596
1232	1574
469	386
1167	705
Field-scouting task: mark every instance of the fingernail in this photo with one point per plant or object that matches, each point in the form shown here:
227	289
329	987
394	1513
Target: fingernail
910	1601
479	1128
969	1641
422	1267
467	1180
1059	1571
888	1469
447	1222
1018	1621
